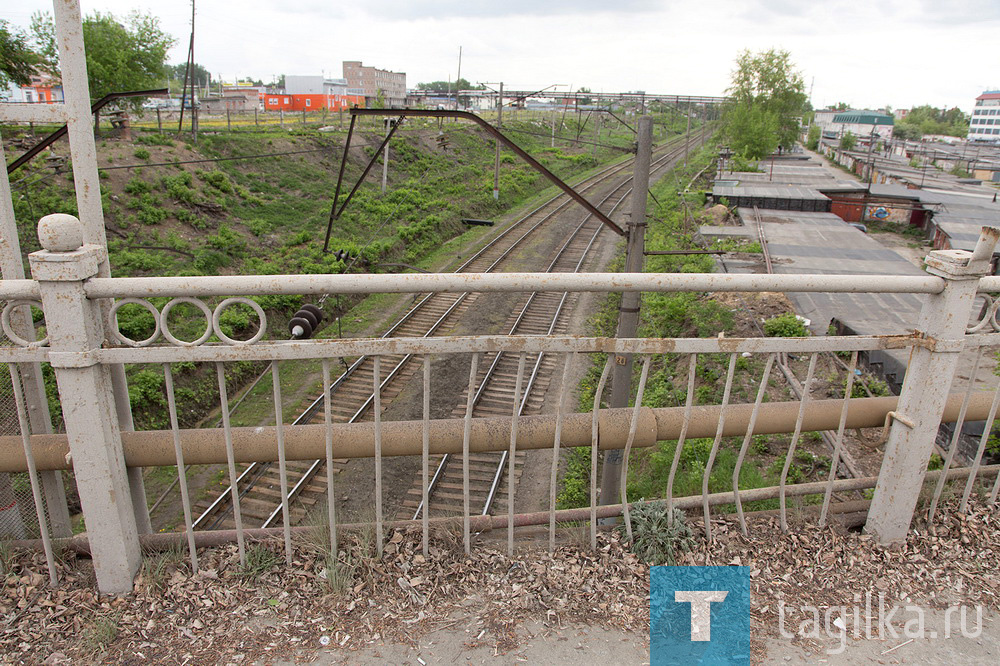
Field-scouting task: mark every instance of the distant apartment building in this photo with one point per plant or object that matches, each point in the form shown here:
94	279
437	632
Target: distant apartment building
373	83
985	122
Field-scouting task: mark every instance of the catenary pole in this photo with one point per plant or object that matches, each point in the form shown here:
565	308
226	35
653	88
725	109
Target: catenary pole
628	313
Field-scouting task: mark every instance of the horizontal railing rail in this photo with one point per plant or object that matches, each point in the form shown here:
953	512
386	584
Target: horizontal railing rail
720	412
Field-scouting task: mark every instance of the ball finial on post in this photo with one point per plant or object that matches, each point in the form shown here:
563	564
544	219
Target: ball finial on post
60	232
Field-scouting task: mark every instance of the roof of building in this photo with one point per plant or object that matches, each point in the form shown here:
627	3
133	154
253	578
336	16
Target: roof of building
863	118
989	94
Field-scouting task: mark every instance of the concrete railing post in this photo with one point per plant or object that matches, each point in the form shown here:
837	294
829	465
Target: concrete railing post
943	321
75	331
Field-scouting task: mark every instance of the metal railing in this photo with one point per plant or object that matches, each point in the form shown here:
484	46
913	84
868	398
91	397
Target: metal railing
75	301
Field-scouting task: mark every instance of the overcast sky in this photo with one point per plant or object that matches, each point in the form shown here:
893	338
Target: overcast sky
900	53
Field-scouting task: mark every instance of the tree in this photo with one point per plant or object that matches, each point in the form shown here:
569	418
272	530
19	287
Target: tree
17	59
812	141
121	55
446	86
753	131
848	141
766	89
585	100
202	77
927	119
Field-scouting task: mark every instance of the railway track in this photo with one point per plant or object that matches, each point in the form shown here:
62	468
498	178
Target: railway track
352	396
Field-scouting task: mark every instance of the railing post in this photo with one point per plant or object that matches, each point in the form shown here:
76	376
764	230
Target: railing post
943	320
75	331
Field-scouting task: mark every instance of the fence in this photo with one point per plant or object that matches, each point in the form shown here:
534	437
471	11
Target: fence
71	284
79	305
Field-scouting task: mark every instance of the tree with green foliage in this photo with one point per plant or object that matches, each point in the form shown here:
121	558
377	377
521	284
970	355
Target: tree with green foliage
848	141
752	131
17	59
122	55
202	77
927	119
449	86
768	95
812	140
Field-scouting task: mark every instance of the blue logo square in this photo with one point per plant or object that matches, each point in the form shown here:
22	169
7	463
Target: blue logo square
699	615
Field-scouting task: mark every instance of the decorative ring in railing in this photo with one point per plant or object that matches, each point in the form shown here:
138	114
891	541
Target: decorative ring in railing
989	318
213	320
8	329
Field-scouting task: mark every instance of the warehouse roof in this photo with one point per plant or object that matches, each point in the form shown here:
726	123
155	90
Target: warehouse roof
863	118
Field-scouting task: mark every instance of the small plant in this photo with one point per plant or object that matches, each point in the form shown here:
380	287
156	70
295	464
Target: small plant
6	558
785	325
658	540
339	576
260	560
137	186
935	462
142	154
99	633
157	569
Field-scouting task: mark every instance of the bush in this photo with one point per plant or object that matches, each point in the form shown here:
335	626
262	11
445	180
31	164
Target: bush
142	154
785	325
848	141
218	180
137	186
657	540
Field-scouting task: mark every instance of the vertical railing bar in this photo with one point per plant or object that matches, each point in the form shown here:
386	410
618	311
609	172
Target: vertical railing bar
715	446
518	387
466	435
231	462
279	431
554	474
996	489
790	455
839	443
970	482
331	494
633	426
746	441
950	457
688	405
36	487
425	457
594	448
175	430
377	394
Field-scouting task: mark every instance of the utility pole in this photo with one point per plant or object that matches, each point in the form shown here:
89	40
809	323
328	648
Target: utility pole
188	78
459	78
687	134
496	165
628	312
385	156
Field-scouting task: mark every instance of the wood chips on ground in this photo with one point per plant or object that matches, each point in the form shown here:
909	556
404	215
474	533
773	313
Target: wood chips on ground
224	615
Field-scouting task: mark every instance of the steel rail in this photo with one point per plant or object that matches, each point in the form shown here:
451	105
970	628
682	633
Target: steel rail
318	464
254	472
498	474
360	412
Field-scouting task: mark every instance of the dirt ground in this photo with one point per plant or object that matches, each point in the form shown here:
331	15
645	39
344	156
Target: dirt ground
485	606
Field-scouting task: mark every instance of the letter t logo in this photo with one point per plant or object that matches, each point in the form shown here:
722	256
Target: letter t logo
701	610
